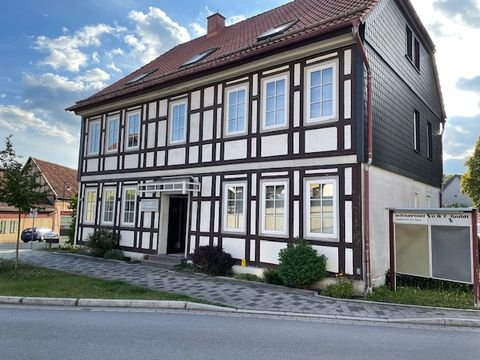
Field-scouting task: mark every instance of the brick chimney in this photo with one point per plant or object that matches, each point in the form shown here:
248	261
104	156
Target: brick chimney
215	24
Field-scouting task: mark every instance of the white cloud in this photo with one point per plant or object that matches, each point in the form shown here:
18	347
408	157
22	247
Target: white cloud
53	81
114	53
113	67
155	32
235	19
17	119
96	57
198	30
3	96
94	78
64	51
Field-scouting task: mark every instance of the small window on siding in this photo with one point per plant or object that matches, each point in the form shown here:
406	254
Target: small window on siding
90	206
236	109
416	131
133	131
275	102
129	206
94	137
429	141
416	54
409	43
234	207
412	48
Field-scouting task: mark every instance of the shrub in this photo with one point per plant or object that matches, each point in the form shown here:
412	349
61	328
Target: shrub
248	277
212	260
102	241
300	265
271	277
114	254
343	289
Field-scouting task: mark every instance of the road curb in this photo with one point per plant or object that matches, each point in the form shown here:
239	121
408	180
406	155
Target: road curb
191	306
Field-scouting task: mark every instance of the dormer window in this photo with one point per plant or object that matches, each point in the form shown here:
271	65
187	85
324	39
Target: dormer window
199	57
277	30
139	77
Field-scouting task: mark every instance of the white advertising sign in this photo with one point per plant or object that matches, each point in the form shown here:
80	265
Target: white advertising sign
436	219
147	205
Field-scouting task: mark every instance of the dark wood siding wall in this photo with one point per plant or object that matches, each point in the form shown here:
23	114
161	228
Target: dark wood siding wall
398	90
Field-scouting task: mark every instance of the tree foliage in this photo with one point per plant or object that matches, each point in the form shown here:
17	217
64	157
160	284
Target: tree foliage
470	183
71	231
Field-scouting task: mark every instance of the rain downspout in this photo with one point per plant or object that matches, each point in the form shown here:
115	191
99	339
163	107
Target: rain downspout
366	178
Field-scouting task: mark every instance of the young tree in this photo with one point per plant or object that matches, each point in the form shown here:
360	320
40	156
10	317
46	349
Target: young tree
470	182
71	231
18	186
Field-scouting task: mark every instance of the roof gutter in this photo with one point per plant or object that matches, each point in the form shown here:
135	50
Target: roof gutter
366	178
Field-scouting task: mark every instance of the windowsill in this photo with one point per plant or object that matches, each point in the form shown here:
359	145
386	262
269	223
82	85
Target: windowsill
412	63
416	151
320	121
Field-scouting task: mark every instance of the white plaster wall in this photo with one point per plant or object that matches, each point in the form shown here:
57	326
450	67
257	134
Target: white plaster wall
208	97
162	109
274	145
321	140
176	156
150	157
205	216
92	165
389	190
162	129
161	158
86	233
235	149
206	188
193	155
208	125
152	110
332	256
207	153
126	238
131	161
252	250
195	100
111	163
151	135
235	247
145	240
269	251
204	241
194	125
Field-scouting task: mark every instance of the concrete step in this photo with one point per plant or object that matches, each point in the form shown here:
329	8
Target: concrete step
165	261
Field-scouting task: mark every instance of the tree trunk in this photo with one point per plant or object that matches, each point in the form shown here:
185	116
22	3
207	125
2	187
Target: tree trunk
18	241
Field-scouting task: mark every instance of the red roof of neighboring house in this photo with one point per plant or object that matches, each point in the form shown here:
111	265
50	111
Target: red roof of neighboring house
238	42
61	179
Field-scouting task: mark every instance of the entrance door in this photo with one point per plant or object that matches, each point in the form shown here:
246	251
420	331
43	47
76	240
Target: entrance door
177	224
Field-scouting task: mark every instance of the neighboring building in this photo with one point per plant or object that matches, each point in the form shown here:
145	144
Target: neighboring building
60	185
452	195
267	130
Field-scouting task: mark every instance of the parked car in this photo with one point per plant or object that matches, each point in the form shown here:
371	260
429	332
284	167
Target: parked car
39	234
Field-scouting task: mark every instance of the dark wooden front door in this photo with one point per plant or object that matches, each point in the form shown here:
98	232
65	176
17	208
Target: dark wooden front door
177	225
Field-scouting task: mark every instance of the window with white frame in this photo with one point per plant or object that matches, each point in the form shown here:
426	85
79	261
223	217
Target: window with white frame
236	110
113	124
234	206
178	117
275	102
133	131
274	207
94	137
129	205
108	205
90	206
416	131
321	208
322	92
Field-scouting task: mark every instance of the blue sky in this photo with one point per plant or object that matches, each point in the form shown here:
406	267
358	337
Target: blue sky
54	52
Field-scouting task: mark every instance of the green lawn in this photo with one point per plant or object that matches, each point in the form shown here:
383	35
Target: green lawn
36	281
452	298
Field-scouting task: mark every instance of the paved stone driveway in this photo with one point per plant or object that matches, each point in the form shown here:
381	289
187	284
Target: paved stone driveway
239	294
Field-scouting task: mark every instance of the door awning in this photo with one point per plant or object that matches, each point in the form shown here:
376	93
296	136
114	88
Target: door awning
178	185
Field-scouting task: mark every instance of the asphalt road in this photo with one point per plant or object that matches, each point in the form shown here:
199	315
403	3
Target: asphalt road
41	333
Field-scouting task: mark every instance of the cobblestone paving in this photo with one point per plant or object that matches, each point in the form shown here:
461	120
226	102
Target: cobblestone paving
239	294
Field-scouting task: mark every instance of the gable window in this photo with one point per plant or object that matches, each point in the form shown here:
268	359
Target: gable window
129	205
321	208
429	141
409	43
94	137
275	104
274	208
322	92
416	131
112	134
90	206
413	48
234	207
416	53
108	205
133	131
236	110
178	122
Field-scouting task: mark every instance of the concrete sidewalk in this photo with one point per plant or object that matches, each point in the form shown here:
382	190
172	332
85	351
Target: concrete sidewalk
244	296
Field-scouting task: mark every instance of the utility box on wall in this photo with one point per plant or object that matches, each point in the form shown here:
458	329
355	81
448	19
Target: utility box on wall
435	243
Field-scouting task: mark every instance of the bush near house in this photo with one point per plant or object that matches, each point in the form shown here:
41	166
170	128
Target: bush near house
271	277
212	260
300	265
115	254
102	241
343	289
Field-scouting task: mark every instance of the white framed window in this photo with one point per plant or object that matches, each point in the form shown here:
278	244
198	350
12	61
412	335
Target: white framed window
94	137
416	131
275	102
129	204
178	122
321	92
321	213
234	207
132	138
236	110
113	124
274	216
108	205
89	210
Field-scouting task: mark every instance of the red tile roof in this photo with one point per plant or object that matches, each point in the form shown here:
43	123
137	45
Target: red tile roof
62	179
238	42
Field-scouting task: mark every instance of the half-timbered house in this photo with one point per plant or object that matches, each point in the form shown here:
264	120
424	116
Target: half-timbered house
307	121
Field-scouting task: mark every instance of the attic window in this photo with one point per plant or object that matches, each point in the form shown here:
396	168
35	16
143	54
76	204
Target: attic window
139	77
198	57
277	30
